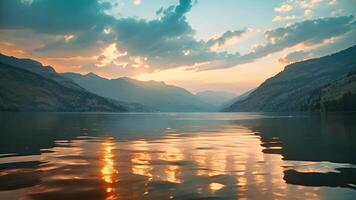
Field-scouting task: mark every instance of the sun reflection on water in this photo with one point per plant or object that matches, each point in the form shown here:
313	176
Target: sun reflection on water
216	186
217	161
108	170
226	164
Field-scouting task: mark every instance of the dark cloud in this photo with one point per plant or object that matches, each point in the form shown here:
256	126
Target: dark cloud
166	42
169	42
87	42
84	19
54	17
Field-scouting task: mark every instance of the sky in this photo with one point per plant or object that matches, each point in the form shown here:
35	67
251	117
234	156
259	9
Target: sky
223	45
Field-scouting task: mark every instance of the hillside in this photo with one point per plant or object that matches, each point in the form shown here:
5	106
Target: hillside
38	68
21	90
239	98
156	95
27	85
337	96
295	86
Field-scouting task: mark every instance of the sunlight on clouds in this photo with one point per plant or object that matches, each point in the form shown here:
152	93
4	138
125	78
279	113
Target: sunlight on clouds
109	55
228	41
303	51
307	7
137	2
68	37
238	79
166	45
332	2
138	61
284	8
308	12
186	53
217	41
10	49
308	3
107	30
279	18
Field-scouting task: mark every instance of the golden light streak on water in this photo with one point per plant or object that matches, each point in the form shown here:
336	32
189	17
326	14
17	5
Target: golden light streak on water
216	186
108	170
171	173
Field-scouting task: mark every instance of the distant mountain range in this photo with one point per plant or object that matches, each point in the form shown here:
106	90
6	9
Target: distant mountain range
215	98
320	84
26	85
156	95
236	99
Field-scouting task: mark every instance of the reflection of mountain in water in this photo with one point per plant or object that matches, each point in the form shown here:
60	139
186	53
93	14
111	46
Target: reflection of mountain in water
346	177
311	138
308	137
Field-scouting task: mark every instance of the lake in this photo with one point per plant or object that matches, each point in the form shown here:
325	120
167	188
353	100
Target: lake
46	156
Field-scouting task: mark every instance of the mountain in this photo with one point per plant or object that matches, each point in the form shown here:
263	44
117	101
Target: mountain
156	95
294	87
26	85
38	68
336	96
239	98
215	98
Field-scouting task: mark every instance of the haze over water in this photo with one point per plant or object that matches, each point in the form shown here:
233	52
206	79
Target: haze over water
177	156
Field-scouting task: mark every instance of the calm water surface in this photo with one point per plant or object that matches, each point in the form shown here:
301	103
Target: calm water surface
177	156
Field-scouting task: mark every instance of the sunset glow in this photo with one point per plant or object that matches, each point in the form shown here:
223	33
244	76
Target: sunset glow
232	49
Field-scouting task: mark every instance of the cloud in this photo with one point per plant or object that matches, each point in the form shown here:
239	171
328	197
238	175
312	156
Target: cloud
295	56
337	12
136	2
279	18
328	47
132	45
88	42
308	12
332	2
85	20
141	37
114	70
83	28
308	4
168	41
54	17
307	33
284	8
226	38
